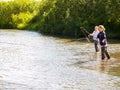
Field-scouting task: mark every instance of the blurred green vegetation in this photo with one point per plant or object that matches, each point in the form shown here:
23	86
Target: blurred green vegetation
17	13
61	17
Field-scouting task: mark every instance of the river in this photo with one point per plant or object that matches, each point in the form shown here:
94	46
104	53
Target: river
31	61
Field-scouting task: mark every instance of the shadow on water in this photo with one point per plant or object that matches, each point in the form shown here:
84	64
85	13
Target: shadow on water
115	70
111	66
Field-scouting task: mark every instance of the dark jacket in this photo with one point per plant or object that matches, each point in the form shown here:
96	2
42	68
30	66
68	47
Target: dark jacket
102	38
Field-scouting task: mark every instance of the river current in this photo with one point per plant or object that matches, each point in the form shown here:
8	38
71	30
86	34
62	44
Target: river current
31	61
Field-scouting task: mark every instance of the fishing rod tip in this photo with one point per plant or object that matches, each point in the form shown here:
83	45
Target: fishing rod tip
81	27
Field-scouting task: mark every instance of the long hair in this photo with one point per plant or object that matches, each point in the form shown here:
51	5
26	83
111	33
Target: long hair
102	27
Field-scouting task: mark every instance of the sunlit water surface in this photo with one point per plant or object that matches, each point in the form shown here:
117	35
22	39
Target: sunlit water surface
31	61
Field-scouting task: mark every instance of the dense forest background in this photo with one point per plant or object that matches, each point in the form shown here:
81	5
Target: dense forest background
61	17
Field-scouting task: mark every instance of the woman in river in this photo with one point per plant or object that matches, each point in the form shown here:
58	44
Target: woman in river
103	42
95	39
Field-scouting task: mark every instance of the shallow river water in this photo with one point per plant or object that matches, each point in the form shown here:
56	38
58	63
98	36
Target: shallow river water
31	61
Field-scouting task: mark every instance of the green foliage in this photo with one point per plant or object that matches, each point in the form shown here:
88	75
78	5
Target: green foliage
66	16
17	13
20	20
61	17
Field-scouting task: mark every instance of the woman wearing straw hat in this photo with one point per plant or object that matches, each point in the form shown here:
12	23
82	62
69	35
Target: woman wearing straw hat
103	42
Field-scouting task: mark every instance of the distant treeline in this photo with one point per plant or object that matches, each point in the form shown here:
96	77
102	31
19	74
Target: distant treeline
61	17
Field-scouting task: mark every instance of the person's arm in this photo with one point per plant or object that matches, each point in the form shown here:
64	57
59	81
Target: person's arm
104	38
91	34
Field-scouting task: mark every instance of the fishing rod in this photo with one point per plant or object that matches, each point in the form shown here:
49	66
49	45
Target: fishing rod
86	33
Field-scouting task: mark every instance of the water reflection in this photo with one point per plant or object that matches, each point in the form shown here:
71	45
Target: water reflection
111	66
104	66
101	65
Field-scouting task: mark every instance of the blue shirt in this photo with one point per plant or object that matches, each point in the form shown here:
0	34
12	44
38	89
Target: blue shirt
102	38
